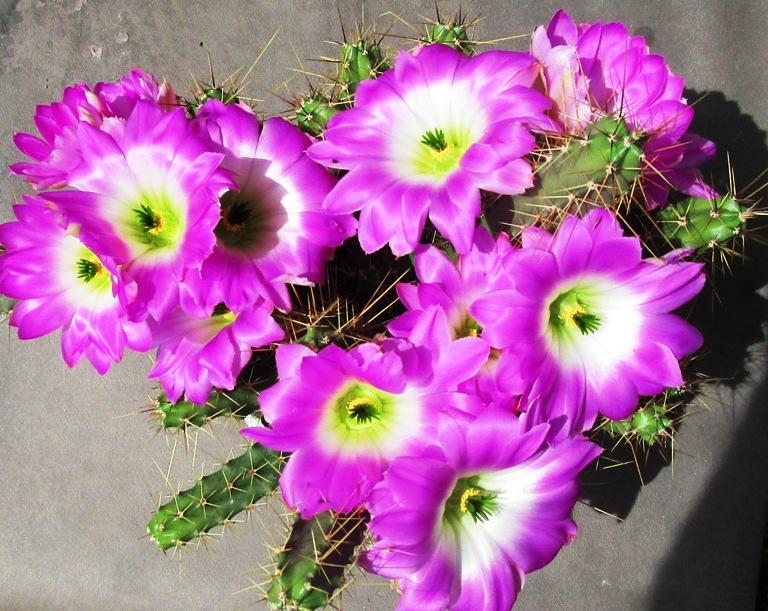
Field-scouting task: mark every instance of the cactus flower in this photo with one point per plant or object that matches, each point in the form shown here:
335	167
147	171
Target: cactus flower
345	415
197	354
593	70
61	283
459	526
273	230
149	198
425	137
589	322
57	151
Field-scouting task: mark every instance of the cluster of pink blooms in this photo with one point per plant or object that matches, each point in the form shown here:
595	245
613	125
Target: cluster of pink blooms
461	432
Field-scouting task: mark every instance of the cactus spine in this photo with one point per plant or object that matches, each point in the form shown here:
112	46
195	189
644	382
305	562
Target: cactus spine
216	498
703	223
311	565
237	403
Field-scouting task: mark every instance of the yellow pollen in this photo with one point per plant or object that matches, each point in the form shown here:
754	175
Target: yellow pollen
471	332
99	268
571	313
229	316
159	227
355	403
441	155
468	494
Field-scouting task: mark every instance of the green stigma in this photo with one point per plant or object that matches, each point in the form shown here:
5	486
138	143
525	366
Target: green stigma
567	311
155	222
435	140
361	407
88	269
148	219
470	498
439	152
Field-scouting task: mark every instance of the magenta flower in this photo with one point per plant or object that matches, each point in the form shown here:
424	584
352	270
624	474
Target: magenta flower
454	287
600	69
346	415
61	283
588	326
150	199
459	526
57	151
195	355
425	137
273	230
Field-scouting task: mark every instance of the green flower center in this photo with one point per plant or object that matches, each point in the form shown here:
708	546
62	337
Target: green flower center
361	406
156	223
439	153
469	328
570	311
470	498
90	270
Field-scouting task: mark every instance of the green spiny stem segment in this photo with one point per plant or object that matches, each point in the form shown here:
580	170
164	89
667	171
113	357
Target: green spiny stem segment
653	422
453	33
311	566
596	169
313	113
703	223
216	498
6	307
238	403
359	62
202	92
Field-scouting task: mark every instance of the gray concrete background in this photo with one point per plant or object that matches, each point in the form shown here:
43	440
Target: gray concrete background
81	467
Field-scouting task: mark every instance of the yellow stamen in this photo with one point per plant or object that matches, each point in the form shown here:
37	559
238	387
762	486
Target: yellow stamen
468	494
355	403
443	153
158	228
569	316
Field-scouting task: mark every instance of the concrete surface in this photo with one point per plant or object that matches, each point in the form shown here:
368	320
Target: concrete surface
78	480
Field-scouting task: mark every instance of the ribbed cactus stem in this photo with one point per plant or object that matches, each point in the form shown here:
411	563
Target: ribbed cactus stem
358	62
238	403
313	113
703	223
453	33
216	498
594	169
311	566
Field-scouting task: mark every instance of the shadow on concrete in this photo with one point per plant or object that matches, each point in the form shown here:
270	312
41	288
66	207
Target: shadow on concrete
729	311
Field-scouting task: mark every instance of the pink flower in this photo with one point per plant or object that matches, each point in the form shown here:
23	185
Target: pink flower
425	137
61	283
600	69
588	326
195	355
346	415
460	524
273	230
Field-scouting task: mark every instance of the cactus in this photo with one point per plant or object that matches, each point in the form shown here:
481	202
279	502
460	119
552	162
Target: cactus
313	113
216	498
360	61
311	565
6	307
654	419
703	223
453	32
237	403
596	169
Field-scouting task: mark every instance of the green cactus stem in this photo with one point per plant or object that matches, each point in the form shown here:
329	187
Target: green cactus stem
6	307
310	567
237	403
313	113
358	62
216	498
596	169
453	32
703	223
